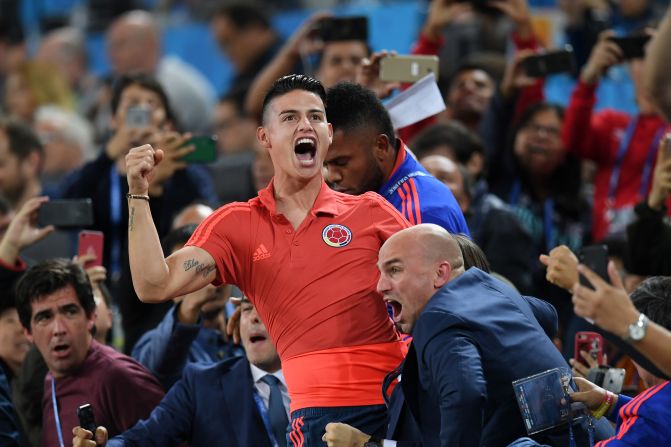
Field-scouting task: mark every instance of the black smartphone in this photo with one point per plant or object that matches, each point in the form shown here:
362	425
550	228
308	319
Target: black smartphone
483	6
66	213
205	150
596	258
551	62
633	47
343	28
86	419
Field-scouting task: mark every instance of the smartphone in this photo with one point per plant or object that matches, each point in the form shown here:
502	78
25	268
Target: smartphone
633	47
611	379
407	68
596	258
591	343
205	152
551	62
483	7
86	419
66	213
138	116
343	28
91	242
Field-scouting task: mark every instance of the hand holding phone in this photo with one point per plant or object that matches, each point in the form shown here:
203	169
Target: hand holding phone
407	68
592	343
86	419
595	257
633	47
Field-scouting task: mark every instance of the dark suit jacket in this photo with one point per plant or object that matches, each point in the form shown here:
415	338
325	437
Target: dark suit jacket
402	425
473	339
210	405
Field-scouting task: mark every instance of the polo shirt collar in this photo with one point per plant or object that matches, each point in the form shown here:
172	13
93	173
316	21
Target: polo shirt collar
326	202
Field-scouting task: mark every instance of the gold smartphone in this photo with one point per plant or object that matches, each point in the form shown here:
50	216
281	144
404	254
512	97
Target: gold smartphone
407	68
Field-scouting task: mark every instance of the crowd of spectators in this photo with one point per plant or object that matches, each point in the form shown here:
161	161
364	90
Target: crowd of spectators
511	184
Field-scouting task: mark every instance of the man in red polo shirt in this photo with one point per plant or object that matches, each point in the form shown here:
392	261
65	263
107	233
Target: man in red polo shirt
304	255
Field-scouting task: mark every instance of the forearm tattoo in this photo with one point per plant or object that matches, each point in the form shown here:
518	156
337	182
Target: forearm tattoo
131	218
200	269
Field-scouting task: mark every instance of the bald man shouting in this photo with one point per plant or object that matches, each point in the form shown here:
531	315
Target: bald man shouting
472	337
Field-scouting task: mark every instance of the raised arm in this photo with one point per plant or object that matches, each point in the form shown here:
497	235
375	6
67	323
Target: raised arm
156	279
301	42
658	66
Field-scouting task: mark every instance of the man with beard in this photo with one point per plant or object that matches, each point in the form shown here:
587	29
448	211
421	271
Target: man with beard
366	156
21	158
21	162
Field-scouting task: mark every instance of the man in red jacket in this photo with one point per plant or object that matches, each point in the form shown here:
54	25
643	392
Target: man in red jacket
623	147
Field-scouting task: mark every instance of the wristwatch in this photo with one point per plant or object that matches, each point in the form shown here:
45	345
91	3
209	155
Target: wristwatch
374	441
637	330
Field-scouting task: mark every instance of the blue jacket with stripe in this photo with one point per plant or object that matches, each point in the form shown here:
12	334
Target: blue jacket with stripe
643	420
420	197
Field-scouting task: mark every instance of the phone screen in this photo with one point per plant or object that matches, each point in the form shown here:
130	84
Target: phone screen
66	213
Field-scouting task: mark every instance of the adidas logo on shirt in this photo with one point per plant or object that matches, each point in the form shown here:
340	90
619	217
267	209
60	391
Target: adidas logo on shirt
260	253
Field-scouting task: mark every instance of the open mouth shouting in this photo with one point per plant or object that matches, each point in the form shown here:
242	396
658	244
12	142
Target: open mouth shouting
61	350
396	308
257	337
305	149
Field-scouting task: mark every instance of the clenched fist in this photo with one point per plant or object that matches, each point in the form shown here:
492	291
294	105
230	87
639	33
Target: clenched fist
141	163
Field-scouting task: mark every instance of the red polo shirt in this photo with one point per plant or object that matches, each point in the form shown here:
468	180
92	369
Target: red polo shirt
315	289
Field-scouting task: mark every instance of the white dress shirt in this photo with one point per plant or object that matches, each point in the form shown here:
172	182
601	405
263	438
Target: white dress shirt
264	389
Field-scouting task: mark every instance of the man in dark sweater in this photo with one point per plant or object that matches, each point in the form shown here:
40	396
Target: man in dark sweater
57	310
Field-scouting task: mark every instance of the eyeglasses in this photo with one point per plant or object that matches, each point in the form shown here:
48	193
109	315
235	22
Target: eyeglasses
550	131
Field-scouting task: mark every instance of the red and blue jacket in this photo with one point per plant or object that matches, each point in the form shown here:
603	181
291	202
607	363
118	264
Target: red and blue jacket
420	197
643	420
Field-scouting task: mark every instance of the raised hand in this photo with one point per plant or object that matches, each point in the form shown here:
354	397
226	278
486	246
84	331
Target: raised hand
441	14
605	54
368	75
607	305
23	230
562	267
661	180
141	166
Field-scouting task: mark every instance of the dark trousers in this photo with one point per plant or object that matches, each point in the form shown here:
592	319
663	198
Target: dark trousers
307	425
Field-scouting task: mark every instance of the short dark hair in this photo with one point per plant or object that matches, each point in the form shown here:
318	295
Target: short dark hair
351	106
48	277
245	15
653	298
23	141
462	141
292	82
472	253
145	81
179	235
470	66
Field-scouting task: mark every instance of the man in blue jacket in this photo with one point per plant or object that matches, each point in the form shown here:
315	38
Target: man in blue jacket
366	156
472	337
232	402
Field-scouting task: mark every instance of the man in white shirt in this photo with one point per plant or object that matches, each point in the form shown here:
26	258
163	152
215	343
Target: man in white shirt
241	401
